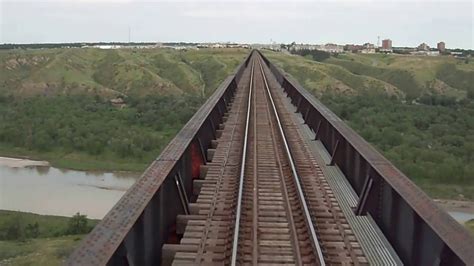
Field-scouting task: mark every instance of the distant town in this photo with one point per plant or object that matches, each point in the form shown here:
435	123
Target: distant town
386	47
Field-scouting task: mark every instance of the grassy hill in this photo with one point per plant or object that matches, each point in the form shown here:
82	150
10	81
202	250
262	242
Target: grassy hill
404	76
110	73
321	78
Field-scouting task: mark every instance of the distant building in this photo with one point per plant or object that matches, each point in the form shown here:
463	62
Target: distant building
441	46
423	47
306	46
354	48
387	44
425	52
368	48
332	48
457	54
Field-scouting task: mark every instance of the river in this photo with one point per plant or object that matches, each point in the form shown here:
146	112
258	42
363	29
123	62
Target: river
33	186
49	190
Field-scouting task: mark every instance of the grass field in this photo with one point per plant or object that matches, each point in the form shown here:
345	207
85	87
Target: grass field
40	251
49	247
49	225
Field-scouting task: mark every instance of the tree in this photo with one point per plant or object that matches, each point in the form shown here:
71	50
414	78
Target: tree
32	230
78	224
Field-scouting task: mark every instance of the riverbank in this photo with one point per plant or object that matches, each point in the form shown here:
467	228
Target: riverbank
72	160
18	162
456	205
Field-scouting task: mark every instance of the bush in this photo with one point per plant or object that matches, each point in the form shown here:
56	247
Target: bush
78	225
402	79
463	80
316	55
91	125
32	230
429	143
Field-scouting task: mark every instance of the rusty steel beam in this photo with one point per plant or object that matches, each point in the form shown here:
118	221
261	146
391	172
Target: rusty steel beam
134	230
418	229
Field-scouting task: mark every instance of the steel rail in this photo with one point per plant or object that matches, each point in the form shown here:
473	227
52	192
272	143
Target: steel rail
307	215
283	181
242	171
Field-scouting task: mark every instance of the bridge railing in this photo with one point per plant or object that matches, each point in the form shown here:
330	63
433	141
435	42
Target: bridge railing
420	231
134	230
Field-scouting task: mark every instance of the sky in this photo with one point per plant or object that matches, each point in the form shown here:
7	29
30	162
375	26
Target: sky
406	23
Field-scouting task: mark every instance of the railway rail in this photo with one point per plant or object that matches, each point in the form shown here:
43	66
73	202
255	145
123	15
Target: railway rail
265	174
277	209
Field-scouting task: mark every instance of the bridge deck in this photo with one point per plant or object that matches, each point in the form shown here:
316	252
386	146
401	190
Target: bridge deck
272	226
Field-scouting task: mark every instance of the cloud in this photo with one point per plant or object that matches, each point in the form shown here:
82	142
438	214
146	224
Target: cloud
341	21
247	10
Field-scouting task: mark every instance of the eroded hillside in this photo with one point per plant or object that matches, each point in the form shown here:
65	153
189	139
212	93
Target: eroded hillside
399	75
110	73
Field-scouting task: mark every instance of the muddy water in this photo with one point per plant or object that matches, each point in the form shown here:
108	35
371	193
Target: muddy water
49	190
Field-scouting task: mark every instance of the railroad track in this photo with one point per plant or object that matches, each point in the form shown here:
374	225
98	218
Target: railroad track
263	199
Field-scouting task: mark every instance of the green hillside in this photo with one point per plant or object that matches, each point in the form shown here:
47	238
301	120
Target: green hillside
110	73
406	76
321	78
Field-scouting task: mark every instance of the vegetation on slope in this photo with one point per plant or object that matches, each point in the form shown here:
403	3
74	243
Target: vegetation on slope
321	78
54	104
27	238
457	78
432	144
110	73
402	79
93	129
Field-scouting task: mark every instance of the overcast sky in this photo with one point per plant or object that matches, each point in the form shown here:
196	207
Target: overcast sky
407	23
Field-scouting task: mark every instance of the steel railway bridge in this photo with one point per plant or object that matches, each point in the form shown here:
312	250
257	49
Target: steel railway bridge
265	174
